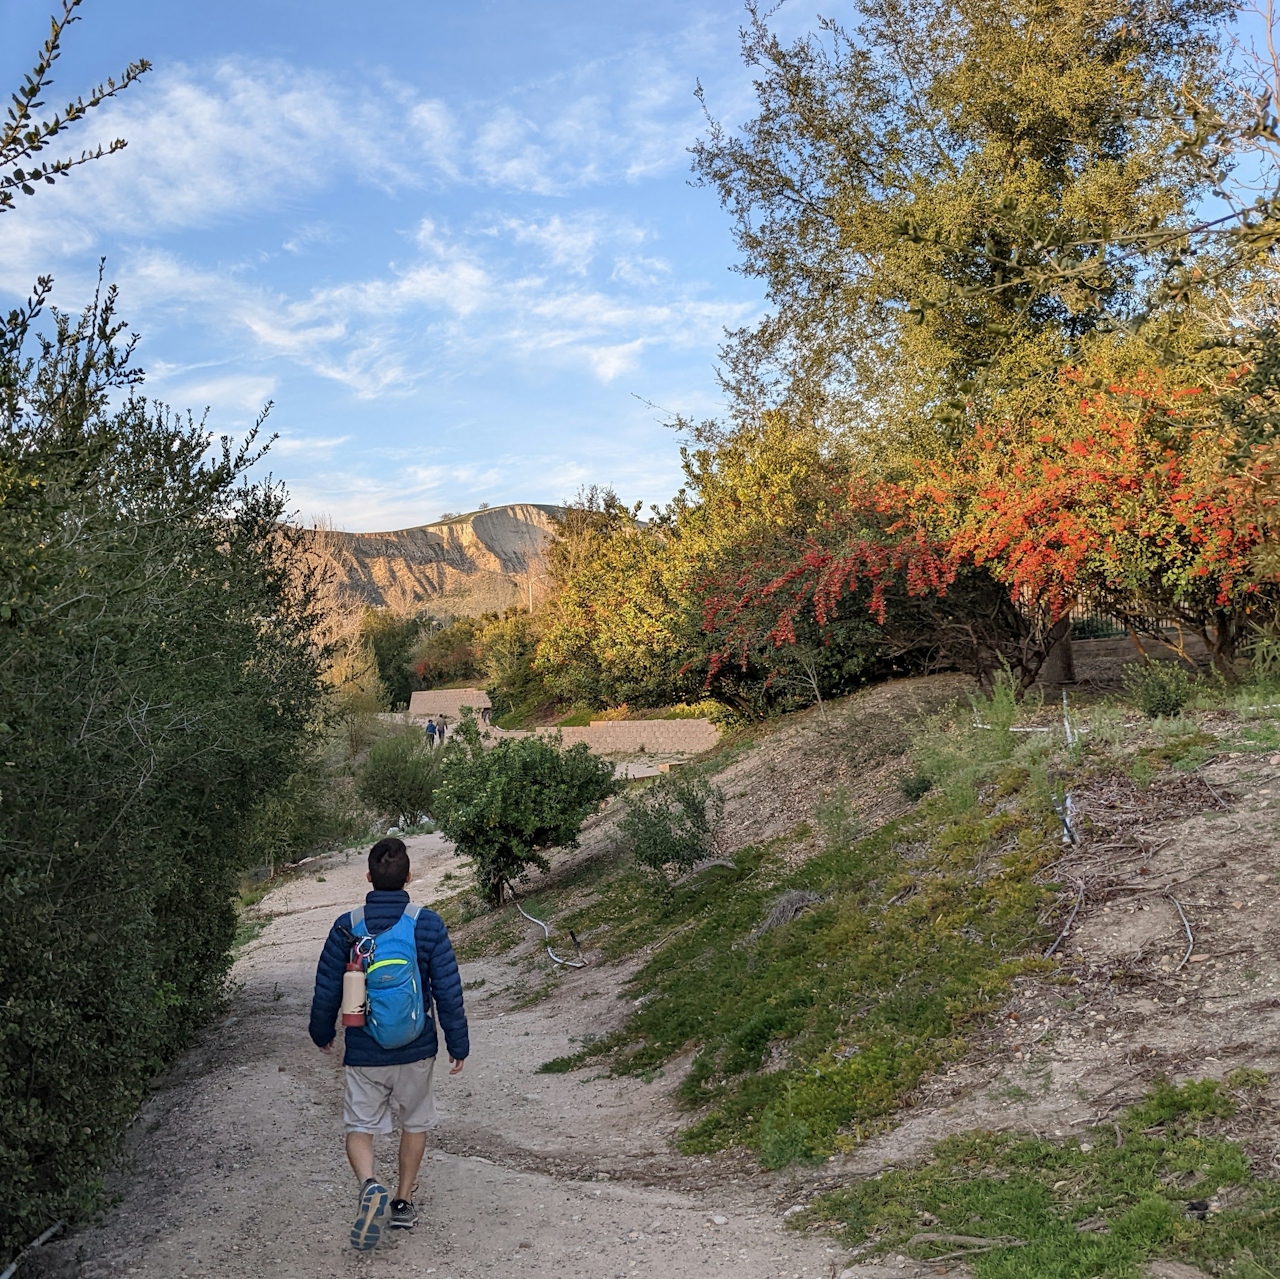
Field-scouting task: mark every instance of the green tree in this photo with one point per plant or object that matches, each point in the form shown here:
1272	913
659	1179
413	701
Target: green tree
947	193
505	805
391	638
447	653
507	646
399	777
158	678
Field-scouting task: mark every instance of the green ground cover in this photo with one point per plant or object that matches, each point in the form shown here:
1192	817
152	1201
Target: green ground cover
856	973
815	998
1158	1181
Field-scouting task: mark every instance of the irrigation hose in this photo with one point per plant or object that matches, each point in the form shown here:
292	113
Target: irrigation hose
11	1269
568	963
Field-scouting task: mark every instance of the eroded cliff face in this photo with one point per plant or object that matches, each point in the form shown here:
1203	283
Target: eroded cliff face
474	564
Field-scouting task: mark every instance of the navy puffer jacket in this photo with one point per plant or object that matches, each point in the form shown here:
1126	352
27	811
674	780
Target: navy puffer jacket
441	984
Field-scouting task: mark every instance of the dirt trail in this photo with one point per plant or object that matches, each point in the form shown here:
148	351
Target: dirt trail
237	1171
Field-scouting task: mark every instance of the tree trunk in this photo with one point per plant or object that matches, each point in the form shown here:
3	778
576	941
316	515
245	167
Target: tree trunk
1059	665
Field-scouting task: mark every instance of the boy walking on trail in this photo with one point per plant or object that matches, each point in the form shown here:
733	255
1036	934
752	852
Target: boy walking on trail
379	1078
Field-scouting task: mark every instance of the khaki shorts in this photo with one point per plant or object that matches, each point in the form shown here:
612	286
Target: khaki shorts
372	1091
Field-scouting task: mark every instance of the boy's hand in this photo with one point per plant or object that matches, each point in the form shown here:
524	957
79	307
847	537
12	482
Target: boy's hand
456	1065
326	1048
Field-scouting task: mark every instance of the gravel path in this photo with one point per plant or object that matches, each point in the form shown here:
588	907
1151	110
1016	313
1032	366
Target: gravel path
236	1166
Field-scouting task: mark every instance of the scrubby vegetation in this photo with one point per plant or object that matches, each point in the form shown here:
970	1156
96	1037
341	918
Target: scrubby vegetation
1162	1179
818	997
672	824
399	776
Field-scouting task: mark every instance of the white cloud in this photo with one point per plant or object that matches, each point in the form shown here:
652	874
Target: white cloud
571	241
205	144
288	444
246	392
620	118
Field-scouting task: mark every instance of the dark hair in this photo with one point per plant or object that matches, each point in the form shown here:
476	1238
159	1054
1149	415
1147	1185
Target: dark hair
389	865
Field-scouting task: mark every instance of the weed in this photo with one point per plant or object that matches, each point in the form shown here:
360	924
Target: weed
1157	1182
247	930
495	935
538	993
473	985
1246	1077
1185	750
915	786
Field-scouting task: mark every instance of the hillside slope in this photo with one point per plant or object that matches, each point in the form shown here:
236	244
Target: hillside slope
473	564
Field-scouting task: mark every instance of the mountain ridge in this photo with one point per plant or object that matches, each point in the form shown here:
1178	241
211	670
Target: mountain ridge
479	562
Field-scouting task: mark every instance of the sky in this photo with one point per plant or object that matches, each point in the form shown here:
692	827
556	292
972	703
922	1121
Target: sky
457	245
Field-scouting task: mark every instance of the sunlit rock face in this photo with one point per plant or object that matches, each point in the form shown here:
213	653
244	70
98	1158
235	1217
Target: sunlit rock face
471	564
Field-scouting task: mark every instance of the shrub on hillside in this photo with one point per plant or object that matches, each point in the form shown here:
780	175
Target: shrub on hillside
399	777
673	823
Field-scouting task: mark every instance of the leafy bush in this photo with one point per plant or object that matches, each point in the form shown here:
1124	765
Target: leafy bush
310	813
673	823
399	777
1158	688
504	806
158	676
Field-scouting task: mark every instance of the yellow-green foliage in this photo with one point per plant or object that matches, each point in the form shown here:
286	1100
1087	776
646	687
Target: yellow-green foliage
626	623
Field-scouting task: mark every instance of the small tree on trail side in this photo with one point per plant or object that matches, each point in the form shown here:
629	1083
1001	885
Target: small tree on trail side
504	805
674	822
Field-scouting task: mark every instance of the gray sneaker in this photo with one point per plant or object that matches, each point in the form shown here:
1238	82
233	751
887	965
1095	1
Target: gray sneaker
404	1216
373	1203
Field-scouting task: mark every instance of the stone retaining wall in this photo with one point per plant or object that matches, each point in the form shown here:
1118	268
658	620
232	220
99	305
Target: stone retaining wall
633	736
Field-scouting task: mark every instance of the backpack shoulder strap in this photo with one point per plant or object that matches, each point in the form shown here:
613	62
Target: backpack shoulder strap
413	911
357	918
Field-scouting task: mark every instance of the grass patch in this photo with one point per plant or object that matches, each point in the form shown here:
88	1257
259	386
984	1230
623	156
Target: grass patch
488	937
1159	1182
1183	751
247	930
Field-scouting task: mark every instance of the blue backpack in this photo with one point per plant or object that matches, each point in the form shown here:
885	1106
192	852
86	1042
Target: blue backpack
395	1014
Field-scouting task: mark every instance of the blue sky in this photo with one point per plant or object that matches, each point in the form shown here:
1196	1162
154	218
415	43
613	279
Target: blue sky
452	242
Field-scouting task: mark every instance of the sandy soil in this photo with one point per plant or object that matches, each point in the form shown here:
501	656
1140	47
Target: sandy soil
236	1165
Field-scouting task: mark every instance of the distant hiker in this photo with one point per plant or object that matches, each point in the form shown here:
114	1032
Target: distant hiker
401	953
431	732
441	727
